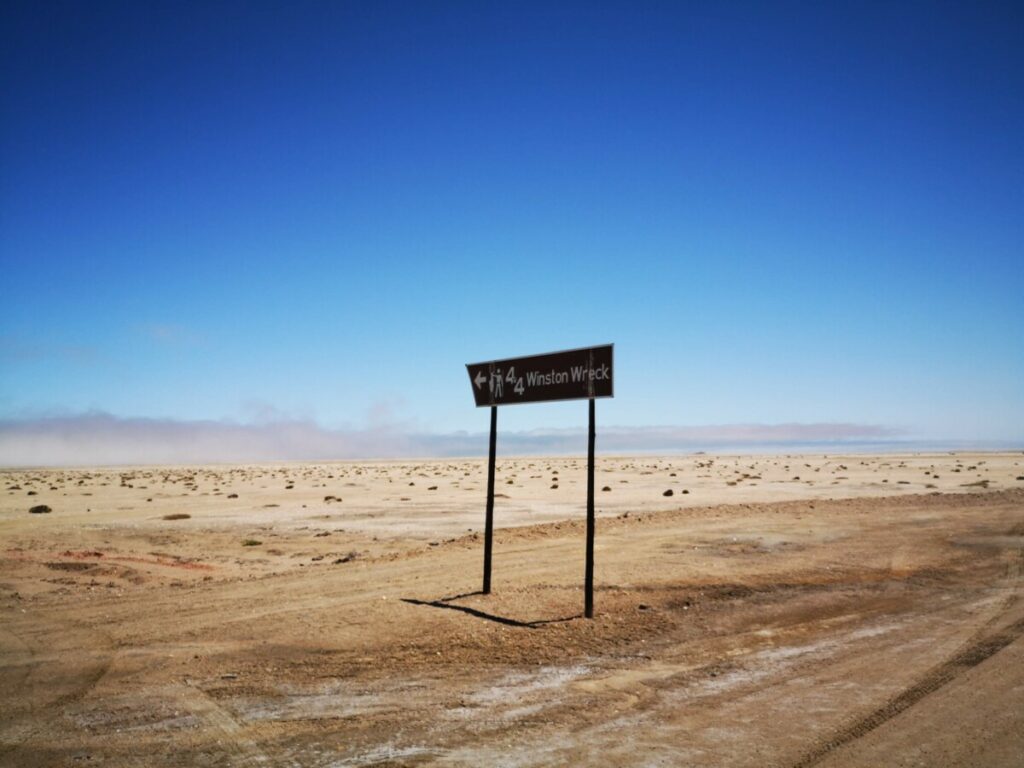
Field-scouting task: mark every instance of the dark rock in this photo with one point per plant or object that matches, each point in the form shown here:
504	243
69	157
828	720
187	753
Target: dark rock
40	509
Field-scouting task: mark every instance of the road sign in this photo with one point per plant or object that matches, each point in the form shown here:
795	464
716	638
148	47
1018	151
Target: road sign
569	375
573	374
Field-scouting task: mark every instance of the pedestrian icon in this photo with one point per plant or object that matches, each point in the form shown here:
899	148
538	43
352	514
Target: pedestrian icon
497	385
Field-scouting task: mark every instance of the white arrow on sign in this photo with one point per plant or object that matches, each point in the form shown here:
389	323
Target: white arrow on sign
480	380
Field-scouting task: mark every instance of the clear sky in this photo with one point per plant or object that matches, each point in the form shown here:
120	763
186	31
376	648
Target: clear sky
778	212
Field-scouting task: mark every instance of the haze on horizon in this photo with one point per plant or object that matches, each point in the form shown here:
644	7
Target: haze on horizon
281	230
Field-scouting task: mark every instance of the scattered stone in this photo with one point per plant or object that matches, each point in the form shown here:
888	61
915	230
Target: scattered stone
606	488
669	492
40	509
232	495
177	516
251	542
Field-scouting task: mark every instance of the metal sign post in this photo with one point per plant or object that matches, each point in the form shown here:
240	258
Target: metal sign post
588	578
489	522
574	374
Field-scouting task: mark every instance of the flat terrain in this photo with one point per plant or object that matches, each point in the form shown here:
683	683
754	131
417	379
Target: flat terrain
772	611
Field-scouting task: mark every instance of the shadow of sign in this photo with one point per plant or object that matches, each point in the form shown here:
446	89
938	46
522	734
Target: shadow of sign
444	603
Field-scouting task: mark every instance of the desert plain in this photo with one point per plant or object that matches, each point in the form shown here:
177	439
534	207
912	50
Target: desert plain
772	610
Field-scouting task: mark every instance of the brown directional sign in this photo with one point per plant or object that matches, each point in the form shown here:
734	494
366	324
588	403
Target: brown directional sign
573	374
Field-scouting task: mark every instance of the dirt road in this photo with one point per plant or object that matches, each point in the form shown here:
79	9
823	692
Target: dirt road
865	631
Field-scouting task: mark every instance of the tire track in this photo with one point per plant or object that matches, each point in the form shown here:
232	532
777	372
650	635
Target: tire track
87	683
219	721
971	655
8	641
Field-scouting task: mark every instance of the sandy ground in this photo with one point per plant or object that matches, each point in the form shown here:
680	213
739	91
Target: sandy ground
772	611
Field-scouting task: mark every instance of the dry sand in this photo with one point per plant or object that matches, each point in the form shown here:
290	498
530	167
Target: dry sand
774	610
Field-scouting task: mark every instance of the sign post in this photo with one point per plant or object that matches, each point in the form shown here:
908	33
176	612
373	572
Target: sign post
588	579
574	374
489	522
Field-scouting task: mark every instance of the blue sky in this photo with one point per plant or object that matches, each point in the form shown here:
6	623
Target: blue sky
779	213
